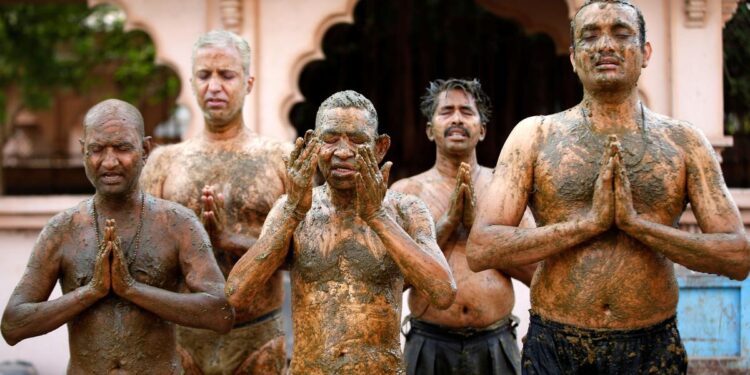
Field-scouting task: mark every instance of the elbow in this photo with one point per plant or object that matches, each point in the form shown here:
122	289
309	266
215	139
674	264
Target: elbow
739	267
227	321
445	294
11	336
474	254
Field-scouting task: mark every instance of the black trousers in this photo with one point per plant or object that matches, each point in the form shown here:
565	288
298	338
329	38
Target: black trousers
556	348
436	350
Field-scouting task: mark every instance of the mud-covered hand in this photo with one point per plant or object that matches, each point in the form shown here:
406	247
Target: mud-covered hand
122	281
300	170
212	213
625	213
101	282
470	198
455	213
602	212
371	183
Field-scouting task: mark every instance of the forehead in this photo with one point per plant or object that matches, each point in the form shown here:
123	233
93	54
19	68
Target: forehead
344	120
216	57
606	14
111	130
455	97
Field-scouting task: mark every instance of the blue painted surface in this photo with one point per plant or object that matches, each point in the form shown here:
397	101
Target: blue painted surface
713	316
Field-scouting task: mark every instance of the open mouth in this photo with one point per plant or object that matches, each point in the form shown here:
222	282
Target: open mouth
343	170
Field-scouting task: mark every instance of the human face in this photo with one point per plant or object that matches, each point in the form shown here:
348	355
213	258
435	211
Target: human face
607	52
341	132
114	154
456	126
220	85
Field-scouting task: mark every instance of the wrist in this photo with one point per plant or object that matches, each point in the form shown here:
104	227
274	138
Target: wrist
294	214
380	214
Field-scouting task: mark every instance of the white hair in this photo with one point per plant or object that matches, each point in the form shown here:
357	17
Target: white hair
225	38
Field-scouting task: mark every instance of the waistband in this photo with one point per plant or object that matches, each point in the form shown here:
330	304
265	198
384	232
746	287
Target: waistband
604	334
267	316
504	324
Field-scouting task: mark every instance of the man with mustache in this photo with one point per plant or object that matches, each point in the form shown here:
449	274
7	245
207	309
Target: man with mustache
122	258
475	335
230	177
607	182
351	246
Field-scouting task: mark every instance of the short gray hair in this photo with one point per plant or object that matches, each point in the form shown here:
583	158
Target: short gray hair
348	99
225	38
114	108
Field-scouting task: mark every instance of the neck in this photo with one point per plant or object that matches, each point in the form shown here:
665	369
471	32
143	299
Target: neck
342	199
613	112
447	165
223	132
126	202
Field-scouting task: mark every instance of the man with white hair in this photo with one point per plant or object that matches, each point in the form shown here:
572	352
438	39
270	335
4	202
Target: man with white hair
230	177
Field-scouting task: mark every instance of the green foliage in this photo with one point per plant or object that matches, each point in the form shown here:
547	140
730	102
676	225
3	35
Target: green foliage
736	72
49	47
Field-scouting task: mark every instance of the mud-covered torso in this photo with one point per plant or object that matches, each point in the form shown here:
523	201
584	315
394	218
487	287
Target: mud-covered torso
612	280
483	297
115	335
346	293
249	172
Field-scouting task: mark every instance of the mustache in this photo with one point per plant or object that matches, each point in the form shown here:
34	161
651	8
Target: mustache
454	127
601	55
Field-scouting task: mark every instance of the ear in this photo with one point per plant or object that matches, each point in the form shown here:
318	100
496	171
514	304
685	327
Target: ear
309	135
572	56
80	140
250	82
147	147
192	87
430	132
382	144
646	54
482	132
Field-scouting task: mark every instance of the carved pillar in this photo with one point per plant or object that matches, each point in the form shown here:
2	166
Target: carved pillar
231	15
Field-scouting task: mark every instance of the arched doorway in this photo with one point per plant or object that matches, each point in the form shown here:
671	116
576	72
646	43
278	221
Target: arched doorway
394	48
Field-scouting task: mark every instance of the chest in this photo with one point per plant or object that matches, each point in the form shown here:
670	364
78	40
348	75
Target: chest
567	169
341	249
249	182
153	262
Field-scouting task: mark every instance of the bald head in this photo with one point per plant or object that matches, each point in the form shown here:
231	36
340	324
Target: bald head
113	109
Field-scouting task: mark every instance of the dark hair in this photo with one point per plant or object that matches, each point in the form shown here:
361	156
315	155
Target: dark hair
641	21
474	88
348	99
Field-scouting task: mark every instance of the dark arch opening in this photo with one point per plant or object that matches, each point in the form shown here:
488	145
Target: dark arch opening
394	48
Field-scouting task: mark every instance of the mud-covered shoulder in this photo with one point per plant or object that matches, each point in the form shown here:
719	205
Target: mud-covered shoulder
407	205
414	184
682	133
62	224
173	212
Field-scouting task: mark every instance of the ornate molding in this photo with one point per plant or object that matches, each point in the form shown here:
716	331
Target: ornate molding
695	13
231	15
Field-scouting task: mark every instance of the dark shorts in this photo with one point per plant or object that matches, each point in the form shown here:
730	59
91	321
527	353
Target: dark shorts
432	349
556	348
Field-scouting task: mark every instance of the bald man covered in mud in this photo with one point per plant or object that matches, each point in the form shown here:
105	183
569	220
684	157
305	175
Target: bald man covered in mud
476	334
351	245
607	181
129	264
230	177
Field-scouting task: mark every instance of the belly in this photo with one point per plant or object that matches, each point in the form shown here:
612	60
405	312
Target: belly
613	282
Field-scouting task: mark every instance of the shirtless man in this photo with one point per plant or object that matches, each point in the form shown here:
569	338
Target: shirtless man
475	335
121	284
230	177
607	182
351	246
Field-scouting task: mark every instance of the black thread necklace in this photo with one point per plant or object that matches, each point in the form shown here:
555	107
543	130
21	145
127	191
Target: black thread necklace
137	238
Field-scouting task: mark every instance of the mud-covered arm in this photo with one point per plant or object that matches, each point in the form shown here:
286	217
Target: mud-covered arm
526	272
28	312
722	247
267	255
496	241
205	306
250	274
416	252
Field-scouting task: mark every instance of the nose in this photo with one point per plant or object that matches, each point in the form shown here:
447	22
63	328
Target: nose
214	84
606	42
110	161
343	151
456	118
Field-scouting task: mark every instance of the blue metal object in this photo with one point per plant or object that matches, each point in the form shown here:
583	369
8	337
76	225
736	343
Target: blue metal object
713	316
